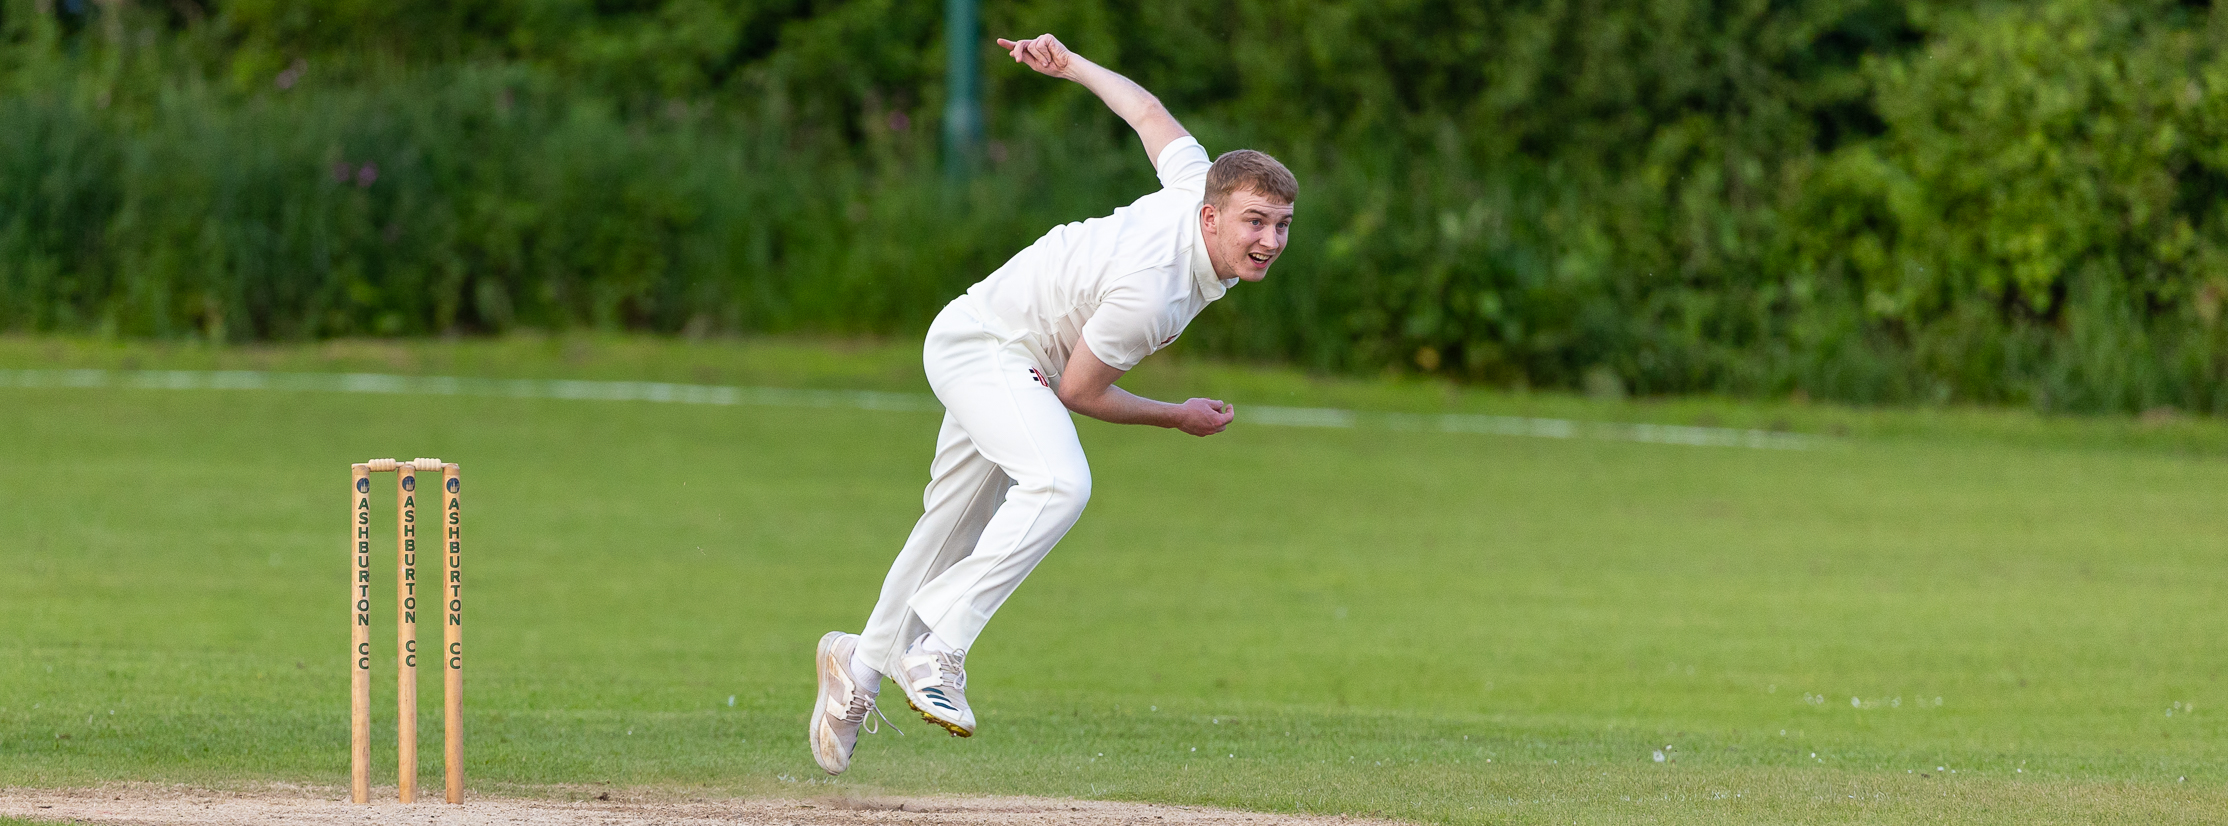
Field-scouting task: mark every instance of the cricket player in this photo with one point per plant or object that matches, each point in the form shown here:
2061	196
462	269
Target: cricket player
1048	333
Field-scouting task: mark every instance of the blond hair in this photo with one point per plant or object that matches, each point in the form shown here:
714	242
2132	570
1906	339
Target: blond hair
1246	169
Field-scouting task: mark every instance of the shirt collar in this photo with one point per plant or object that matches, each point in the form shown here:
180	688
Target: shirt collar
1203	267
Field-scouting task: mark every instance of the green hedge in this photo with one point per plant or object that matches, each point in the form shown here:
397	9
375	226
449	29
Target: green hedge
1864	200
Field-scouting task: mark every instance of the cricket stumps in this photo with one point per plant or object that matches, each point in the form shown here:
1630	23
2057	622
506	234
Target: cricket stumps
448	595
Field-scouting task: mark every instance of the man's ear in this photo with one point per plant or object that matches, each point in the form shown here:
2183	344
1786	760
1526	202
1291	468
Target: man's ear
1207	216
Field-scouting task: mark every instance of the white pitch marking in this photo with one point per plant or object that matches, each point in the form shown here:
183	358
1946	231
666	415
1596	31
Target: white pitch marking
667	393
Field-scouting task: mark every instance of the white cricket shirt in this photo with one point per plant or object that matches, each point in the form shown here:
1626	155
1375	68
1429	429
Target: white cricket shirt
1127	283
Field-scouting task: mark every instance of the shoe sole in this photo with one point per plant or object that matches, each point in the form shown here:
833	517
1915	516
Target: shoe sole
955	730
820	702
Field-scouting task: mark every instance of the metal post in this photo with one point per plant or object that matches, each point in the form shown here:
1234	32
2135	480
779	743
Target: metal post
962	112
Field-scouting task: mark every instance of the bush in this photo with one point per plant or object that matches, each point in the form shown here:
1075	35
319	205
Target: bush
1859	199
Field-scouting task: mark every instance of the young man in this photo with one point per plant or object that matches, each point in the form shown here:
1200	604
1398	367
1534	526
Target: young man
1047	333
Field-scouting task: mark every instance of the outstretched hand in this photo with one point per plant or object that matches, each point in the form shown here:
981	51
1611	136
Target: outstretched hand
1043	53
1143	112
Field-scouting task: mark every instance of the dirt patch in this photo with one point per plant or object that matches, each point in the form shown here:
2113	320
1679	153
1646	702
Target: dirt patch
157	806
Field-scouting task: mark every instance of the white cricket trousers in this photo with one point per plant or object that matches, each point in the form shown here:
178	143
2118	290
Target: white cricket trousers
1008	480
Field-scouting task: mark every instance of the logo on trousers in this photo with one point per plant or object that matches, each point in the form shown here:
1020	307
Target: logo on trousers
1038	375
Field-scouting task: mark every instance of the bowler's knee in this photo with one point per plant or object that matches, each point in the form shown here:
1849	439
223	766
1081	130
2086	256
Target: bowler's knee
1065	489
1075	487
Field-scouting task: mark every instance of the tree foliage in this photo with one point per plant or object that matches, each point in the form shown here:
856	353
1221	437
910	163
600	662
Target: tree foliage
1858	199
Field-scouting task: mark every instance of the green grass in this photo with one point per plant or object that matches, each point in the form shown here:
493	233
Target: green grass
1449	628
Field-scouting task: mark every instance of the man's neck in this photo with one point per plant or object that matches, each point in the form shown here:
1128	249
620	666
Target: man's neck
1207	248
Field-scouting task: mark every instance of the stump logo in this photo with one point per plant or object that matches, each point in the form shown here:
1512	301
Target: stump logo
410	483
363	485
452	484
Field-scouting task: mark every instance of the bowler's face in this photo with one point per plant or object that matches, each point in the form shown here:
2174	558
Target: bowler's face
1246	235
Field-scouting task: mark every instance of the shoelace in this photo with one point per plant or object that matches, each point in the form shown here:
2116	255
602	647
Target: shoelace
861	703
952	667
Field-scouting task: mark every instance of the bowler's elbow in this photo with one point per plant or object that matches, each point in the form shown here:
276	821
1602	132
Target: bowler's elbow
1071	398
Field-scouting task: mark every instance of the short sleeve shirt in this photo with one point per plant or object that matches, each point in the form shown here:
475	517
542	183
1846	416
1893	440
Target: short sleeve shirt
1127	283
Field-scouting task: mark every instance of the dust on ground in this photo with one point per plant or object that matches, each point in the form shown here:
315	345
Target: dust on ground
150	805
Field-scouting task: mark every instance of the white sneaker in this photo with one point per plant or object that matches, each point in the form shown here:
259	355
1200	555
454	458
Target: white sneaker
935	685
842	705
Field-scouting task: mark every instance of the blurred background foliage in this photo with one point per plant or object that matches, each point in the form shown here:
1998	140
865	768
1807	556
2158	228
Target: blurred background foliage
1866	200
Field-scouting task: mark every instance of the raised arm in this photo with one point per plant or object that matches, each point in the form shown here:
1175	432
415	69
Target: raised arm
1144	113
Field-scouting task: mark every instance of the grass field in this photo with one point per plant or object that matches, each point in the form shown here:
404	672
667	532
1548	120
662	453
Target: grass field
1946	615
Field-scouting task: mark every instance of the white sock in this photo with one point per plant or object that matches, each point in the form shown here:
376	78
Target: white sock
867	677
936	645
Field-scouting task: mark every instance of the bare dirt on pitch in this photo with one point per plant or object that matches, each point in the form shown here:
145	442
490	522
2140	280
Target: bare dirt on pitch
147	805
